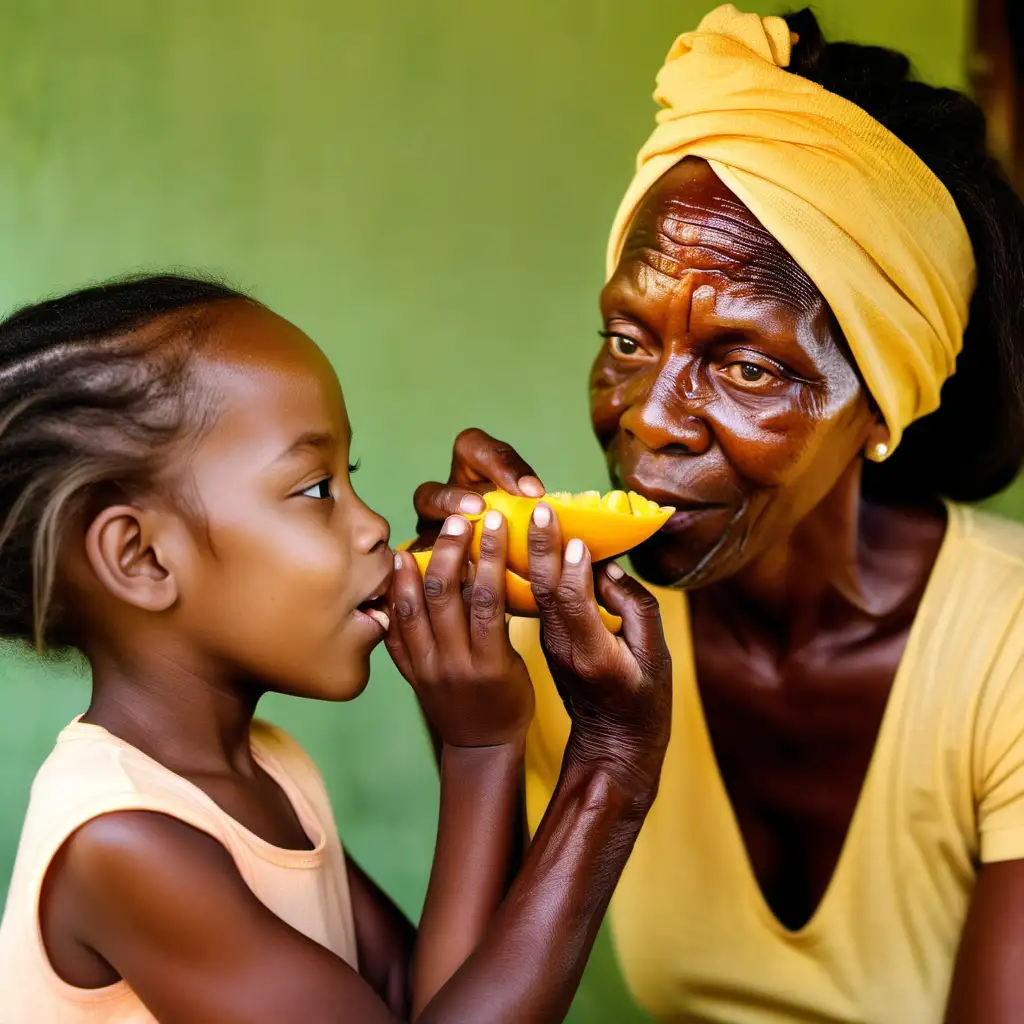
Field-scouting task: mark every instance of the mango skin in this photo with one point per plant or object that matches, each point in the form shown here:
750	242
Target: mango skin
519	599
609	525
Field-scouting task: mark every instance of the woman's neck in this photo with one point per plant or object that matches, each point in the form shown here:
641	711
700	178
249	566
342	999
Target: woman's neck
168	707
847	559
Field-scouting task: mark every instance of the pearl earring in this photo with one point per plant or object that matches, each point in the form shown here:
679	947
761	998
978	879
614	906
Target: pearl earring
879	452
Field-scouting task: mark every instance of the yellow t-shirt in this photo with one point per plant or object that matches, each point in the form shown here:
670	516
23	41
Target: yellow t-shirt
944	792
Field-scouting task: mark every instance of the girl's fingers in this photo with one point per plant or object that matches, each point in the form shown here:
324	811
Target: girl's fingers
399	654
544	543
409	614
487	601
442	586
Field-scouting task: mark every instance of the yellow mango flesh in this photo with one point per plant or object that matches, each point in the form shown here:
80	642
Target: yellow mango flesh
519	599
609	525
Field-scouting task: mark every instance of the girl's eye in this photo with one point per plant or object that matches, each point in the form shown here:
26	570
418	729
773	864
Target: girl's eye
321	489
354	467
621	346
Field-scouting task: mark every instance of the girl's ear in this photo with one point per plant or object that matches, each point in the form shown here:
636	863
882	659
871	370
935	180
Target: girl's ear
123	548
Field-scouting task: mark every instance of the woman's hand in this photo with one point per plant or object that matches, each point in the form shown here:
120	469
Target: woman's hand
451	643
617	689
480	463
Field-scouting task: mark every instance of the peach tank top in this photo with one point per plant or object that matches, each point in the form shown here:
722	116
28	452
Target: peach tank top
89	773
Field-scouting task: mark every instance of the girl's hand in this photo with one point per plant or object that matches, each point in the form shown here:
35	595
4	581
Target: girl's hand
479	464
451	642
617	689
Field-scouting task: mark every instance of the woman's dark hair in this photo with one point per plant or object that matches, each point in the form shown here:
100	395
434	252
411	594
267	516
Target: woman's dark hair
973	445
93	390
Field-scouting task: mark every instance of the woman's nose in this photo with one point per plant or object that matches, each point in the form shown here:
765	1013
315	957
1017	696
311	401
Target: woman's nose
668	414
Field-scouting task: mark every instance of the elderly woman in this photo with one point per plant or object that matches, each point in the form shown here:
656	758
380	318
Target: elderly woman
813	349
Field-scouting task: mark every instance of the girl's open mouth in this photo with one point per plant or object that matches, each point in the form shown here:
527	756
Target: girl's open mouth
375	609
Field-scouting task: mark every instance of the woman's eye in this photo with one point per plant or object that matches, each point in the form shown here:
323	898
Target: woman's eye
622	346
321	489
749	373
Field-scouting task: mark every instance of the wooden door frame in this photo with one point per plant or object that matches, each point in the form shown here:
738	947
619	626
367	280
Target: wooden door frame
997	78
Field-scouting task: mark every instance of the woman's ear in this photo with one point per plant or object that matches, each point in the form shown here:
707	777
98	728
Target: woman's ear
877	447
123	548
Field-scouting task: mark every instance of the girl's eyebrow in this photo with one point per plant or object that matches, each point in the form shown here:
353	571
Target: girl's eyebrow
312	439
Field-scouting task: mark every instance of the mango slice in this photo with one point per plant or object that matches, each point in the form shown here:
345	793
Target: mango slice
609	525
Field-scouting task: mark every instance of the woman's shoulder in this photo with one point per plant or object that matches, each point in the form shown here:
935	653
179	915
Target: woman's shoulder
988	536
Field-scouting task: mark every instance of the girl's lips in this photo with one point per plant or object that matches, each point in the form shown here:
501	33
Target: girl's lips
375	609
378	616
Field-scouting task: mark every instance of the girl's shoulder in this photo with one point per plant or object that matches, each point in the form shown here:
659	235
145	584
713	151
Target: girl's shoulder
91	772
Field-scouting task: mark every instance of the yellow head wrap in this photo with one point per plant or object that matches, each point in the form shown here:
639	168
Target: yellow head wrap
870	224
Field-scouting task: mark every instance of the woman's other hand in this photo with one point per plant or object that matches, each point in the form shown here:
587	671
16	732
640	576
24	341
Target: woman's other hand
480	463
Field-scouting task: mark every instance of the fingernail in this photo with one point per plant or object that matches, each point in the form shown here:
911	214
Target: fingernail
472	504
542	515
493	519
531	486
574	551
615	570
398	560
454	525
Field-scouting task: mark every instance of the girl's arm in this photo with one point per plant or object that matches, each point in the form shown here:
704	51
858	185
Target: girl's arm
385	940
452	646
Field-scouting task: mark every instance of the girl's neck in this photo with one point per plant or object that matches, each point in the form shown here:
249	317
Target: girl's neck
173	712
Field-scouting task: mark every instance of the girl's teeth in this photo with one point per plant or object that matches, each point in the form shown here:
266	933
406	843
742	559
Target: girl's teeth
381	618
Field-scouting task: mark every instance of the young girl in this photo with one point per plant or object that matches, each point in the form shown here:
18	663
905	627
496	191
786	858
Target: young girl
176	503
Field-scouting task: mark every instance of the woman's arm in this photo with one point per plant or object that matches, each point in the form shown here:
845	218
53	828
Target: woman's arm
618	693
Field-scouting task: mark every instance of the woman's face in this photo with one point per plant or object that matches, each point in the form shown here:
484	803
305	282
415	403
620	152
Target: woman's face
723	387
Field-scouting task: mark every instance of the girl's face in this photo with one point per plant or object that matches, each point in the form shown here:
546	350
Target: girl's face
281	577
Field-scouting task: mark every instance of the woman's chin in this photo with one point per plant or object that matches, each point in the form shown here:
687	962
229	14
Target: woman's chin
674	563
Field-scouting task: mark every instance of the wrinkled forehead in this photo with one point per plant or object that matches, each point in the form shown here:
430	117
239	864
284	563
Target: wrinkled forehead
689	221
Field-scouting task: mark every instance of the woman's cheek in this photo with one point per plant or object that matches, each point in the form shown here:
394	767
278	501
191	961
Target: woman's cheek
766	439
613	390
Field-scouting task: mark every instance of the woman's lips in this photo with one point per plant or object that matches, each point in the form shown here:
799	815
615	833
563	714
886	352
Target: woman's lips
684	518
688	510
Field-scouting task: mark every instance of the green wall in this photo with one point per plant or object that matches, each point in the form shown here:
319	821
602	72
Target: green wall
425	189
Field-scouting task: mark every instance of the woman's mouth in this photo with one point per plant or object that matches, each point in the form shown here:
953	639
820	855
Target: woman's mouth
684	518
